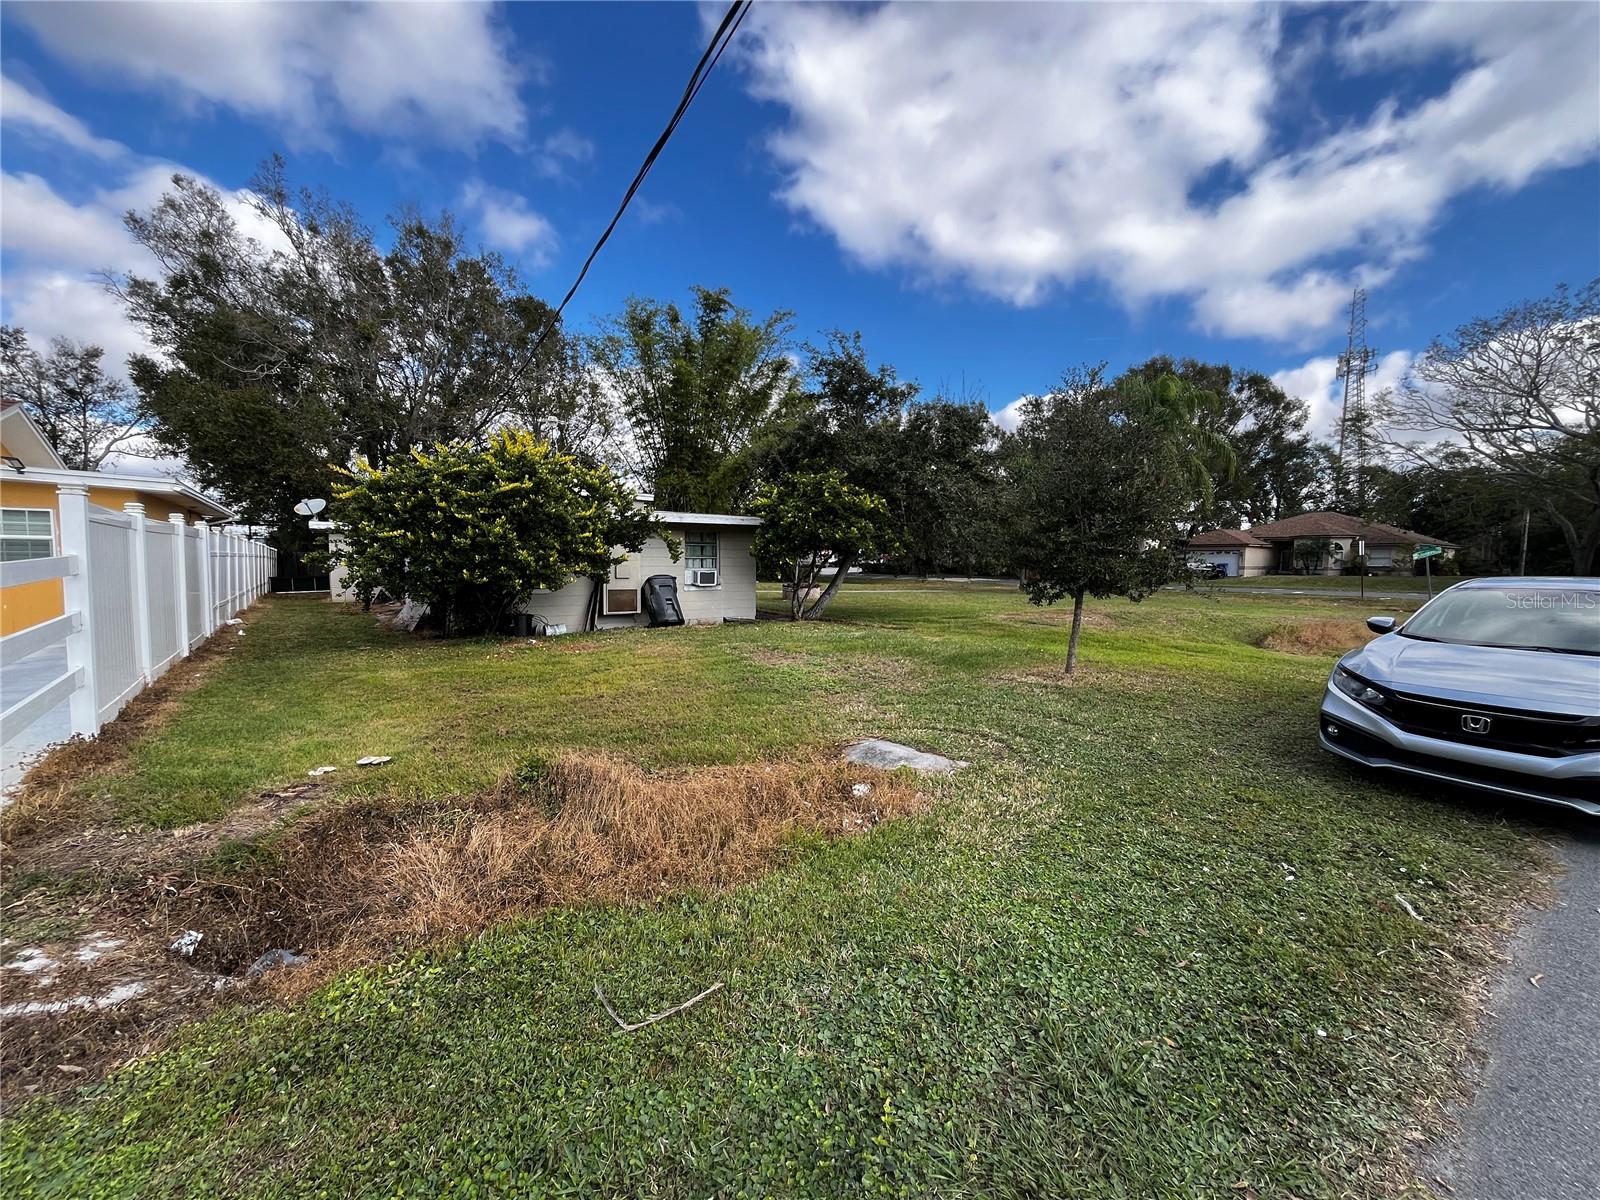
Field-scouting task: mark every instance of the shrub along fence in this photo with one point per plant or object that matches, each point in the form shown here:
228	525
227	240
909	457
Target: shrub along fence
139	595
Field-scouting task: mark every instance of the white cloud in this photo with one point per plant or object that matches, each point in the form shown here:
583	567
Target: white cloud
22	109
560	150
508	224
1021	148
49	303
1313	382
431	70
1009	417
58	249
1317	382
38	225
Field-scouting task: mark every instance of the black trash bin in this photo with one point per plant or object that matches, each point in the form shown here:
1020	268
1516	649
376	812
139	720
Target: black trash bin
661	601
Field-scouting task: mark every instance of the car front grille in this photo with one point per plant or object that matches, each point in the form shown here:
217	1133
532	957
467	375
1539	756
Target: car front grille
1584	788
1546	734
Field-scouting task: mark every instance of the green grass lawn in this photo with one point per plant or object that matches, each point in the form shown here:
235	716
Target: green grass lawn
1145	946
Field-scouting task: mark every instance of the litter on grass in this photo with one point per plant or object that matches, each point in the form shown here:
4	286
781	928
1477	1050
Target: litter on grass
188	942
271	959
374	760
322	770
627	1027
1406	904
120	994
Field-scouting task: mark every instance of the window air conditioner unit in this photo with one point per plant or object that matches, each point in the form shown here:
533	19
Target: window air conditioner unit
621	602
702	578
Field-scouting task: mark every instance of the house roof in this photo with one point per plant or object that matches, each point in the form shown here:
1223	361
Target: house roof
690	518
155	485
1224	539
1332	524
24	439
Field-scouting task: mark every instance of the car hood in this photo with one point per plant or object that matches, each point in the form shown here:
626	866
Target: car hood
1535	679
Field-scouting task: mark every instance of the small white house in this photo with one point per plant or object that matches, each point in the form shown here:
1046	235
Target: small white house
715	576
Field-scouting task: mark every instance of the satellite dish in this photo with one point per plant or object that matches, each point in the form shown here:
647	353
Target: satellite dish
310	508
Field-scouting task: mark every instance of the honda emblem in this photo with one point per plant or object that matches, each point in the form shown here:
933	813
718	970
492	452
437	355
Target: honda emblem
1473	723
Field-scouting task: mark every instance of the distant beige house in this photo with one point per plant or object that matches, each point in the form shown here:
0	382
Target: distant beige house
1314	543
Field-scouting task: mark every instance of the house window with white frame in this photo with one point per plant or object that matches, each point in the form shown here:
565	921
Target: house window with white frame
26	533
700	554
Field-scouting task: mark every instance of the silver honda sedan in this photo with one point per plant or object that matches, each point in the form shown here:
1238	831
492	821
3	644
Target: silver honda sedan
1493	684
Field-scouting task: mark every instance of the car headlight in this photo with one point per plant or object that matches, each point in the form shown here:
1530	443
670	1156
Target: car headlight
1357	688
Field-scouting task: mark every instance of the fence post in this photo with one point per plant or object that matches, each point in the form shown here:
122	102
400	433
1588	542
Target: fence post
208	604
140	583
72	506
180	583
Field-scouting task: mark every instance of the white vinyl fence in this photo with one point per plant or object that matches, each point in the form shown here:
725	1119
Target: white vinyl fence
140	594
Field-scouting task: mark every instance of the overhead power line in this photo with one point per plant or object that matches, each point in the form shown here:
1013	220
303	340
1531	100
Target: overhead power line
731	20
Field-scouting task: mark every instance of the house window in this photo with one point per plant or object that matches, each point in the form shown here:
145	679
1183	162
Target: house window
26	533
700	554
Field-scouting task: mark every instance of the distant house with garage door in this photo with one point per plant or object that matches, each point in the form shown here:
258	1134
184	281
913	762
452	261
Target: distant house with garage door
1313	543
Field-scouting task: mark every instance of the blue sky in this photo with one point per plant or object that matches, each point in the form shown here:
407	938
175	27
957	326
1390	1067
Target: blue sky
989	193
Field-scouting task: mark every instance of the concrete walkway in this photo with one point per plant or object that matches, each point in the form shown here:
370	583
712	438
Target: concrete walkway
1532	1128
17	682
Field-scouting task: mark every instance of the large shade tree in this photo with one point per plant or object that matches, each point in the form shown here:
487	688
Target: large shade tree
931	461
287	339
1248	434
1098	495
695	390
1518	395
85	413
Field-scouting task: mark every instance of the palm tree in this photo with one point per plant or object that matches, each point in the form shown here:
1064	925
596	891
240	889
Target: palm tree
1181	409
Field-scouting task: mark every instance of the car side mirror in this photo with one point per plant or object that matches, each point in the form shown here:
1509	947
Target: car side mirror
1381	624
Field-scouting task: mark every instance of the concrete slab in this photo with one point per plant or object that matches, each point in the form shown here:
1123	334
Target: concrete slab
876	752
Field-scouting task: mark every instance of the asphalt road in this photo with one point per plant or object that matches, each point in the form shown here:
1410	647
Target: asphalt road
1354	593
1532	1129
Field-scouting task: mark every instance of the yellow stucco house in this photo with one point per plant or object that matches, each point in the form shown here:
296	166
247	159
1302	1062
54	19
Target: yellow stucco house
30	472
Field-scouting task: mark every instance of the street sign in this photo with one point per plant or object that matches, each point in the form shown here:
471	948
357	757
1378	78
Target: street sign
1427	551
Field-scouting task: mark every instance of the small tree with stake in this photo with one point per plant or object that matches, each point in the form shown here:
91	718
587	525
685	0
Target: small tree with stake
1097	496
811	520
472	532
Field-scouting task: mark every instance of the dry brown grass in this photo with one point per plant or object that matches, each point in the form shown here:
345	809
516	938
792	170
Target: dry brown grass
1318	637
354	882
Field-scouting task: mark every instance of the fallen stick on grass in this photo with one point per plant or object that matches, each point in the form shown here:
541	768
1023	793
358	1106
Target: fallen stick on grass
627	1028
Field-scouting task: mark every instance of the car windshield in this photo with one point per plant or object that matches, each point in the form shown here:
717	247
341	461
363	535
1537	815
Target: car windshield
1566	620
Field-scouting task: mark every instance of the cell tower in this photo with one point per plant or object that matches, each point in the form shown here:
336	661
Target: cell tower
1357	362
